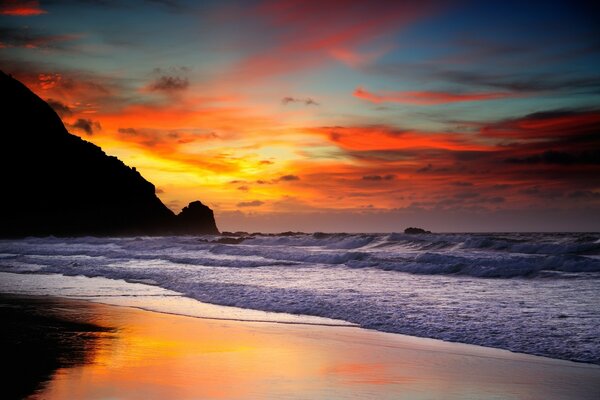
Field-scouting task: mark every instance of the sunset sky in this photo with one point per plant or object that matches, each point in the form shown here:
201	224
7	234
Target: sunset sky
332	115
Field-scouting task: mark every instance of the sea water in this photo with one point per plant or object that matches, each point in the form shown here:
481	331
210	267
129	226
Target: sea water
530	293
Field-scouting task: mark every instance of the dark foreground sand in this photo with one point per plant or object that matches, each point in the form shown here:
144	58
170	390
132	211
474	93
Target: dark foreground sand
69	349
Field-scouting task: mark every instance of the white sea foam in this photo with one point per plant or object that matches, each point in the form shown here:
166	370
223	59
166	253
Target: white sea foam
534	293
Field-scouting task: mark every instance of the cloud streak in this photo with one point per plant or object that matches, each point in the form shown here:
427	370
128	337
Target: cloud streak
307	36
426	98
31	39
307	101
254	203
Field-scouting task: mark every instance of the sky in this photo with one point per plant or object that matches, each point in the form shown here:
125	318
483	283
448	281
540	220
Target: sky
332	115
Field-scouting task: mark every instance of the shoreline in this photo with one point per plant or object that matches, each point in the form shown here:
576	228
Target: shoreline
165	301
297	361
323	325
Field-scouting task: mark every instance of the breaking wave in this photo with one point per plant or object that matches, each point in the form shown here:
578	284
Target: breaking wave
534	293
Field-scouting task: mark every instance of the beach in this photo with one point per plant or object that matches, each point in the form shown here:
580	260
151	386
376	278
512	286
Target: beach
527	293
132	354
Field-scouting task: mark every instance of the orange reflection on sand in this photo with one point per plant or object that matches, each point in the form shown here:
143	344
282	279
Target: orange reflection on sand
162	356
158	356
364	373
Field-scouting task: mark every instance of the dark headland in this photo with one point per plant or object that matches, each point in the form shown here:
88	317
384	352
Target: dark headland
55	183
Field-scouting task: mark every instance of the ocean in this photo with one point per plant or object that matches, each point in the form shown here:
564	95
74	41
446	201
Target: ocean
534	293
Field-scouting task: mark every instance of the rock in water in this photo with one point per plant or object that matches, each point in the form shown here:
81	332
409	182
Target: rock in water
55	183
196	218
415	231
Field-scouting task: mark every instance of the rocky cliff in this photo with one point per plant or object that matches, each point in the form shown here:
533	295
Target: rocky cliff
55	183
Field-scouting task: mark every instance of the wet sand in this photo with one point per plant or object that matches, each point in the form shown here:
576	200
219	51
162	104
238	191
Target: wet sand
127	353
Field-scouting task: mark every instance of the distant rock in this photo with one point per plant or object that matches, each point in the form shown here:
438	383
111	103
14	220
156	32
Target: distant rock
415	231
322	235
237	233
289	233
230	240
55	183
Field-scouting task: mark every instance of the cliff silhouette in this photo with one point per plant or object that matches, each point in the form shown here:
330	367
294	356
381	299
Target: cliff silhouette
55	183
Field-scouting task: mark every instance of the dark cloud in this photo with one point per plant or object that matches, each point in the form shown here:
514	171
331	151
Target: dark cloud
542	193
307	101
495	200
383	155
466	195
535	138
99	3
559	157
288	178
86	125
502	186
168	83
146	137
128	131
171	5
427	168
31	38
254	203
584	194
524	83
470	155
516	82
61	108
165	140
388	177
173	70
461	184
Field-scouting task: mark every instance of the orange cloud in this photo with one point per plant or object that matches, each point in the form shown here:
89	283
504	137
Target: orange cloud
426	98
21	8
365	138
383	166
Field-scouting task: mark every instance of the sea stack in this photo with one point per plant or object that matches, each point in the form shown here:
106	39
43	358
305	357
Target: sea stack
196	218
55	183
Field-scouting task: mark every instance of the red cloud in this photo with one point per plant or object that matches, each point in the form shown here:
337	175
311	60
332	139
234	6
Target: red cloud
551	126
308	33
552	156
426	98
21	8
381	137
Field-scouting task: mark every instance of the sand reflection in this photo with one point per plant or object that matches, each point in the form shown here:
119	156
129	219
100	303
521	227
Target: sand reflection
158	356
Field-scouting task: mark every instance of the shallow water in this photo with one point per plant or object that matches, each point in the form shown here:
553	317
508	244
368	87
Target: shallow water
531	293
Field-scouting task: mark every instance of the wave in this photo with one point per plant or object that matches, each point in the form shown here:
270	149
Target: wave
436	286
484	256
